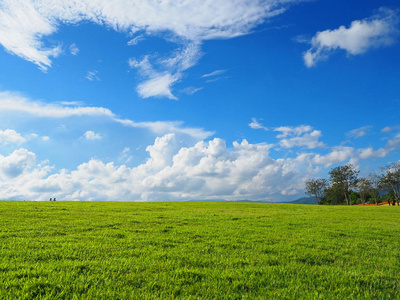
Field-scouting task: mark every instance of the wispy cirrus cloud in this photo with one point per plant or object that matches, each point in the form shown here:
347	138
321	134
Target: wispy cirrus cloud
136	40
92	75
160	76
361	36
214	73
73	49
186	23
14	102
359	132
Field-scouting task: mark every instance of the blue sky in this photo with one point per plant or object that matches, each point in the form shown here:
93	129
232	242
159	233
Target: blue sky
177	100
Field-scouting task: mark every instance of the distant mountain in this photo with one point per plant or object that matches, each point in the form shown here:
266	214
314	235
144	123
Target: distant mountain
304	200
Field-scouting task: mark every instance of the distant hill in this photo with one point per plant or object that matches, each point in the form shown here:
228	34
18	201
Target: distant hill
304	200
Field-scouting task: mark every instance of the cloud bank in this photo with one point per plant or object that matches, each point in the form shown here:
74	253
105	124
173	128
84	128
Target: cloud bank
205	170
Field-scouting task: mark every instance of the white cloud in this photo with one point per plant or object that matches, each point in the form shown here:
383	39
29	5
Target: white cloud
389	129
206	170
36	136
162	127
13	102
177	171
359	37
183	22
73	49
191	90
359	132
158	82
300	136
136	40
158	86
369	152
92	75
215	73
16	163
91	135
11	136
255	124
21	29
338	154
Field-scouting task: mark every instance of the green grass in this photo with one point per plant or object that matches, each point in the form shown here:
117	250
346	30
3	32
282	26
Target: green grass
96	250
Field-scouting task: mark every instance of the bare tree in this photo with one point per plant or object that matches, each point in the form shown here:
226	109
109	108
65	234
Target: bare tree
316	188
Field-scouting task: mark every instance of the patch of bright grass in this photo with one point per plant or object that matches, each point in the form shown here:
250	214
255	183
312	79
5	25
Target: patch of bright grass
97	250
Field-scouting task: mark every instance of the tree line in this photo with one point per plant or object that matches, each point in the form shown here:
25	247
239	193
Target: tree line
345	187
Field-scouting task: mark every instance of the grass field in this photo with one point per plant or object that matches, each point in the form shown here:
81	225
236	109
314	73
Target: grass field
97	250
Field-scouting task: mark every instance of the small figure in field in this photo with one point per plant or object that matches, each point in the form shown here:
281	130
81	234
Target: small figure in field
54	199
394	202
51	199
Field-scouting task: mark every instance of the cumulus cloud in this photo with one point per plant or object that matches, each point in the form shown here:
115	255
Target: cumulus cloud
370	152
91	135
11	136
338	154
16	163
300	136
205	170
176	171
25	24
362	35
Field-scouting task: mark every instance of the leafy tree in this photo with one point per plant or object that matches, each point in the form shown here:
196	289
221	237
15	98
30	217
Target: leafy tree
345	177
375	181
354	198
391	179
389	196
364	188
333	195
316	188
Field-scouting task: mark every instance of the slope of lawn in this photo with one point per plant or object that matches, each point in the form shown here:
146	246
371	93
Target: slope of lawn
97	250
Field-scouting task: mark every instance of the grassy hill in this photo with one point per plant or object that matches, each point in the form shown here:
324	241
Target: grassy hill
97	250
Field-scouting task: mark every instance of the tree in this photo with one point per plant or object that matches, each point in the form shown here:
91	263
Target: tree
316	188
391	179
333	195
345	177
364	188
375	181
